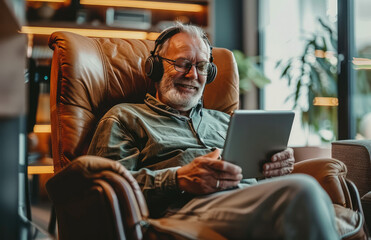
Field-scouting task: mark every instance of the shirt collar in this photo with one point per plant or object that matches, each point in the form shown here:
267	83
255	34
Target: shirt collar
160	107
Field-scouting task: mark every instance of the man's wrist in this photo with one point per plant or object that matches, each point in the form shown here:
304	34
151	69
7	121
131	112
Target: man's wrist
177	183
167	180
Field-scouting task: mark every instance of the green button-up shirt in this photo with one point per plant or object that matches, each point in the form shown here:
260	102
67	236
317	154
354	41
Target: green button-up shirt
153	140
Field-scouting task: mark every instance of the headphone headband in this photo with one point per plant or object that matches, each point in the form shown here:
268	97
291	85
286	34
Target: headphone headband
164	36
153	66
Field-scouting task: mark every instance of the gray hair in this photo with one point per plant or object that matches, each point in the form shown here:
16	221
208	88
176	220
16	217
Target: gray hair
191	30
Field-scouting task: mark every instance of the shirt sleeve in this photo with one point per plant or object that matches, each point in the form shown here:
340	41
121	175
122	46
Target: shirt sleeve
114	141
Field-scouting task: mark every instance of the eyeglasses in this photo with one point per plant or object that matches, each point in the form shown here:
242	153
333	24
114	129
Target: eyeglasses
184	65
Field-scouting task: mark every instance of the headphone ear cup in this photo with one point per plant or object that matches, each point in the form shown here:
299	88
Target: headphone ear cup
154	68
148	66
212	73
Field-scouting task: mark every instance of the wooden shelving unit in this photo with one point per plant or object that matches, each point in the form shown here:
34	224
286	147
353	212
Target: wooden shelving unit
90	18
135	18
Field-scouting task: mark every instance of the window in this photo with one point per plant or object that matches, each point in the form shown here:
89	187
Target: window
361	93
285	27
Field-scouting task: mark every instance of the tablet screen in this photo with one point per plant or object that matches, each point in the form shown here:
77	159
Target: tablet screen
254	136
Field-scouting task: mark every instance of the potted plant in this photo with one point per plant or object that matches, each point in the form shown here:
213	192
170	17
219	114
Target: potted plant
313	75
250	73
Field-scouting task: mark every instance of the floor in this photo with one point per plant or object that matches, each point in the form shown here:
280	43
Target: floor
40	213
40	204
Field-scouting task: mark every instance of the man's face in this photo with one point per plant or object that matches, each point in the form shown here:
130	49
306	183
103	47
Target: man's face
180	90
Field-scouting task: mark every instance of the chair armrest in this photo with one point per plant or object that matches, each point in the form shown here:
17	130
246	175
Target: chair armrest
79	174
330	173
366	204
356	156
97	198
91	195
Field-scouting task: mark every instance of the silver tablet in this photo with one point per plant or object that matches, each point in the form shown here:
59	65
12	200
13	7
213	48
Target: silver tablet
254	136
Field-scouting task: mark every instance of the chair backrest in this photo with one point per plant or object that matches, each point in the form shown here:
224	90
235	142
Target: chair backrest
91	75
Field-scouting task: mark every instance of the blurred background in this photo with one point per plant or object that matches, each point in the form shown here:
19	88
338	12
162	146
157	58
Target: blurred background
311	56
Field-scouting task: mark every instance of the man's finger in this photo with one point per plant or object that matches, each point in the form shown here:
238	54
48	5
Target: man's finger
225	184
279	164
228	176
214	154
224	166
285	154
278	172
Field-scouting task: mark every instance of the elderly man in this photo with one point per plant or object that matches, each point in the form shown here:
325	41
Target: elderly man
171	146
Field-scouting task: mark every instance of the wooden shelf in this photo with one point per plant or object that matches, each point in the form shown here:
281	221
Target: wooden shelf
42	166
94	15
41	30
40	170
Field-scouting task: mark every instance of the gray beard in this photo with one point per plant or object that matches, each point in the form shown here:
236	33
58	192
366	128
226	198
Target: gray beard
176	99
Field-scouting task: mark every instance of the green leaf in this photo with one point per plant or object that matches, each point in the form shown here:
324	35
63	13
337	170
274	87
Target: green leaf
326	27
278	64
326	67
297	91
314	78
324	48
285	71
249	72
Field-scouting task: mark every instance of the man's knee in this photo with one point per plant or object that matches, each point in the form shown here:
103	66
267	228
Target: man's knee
303	181
306	188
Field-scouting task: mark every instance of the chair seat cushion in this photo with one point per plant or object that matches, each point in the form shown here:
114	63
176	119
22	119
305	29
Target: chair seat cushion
366	205
165	228
349	223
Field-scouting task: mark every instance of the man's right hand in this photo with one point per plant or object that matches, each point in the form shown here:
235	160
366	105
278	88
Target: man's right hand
207	174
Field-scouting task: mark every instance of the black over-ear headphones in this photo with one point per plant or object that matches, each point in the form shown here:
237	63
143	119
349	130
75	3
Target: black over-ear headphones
154	68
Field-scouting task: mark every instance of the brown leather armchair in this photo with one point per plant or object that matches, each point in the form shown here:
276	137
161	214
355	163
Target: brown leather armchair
96	198
356	155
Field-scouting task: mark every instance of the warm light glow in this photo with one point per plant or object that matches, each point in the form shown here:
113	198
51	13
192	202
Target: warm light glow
185	7
40	169
152	35
55	1
325	101
29	45
91	32
322	54
42	128
362	63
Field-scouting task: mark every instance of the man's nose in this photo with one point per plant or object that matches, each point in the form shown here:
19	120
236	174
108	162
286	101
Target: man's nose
192	73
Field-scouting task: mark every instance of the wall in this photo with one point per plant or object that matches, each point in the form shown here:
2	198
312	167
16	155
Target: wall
228	23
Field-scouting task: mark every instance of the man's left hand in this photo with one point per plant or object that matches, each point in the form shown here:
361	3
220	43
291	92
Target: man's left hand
281	163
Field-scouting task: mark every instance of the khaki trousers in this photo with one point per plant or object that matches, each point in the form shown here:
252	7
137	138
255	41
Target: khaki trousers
288	207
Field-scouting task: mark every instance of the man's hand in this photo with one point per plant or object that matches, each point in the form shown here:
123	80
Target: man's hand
207	174
281	163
